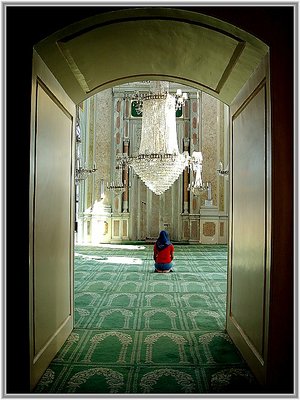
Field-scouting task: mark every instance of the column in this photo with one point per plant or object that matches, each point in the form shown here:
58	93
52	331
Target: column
186	143
125	177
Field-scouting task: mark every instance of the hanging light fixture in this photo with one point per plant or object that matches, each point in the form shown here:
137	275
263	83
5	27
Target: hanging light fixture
81	172
118	186
221	171
159	162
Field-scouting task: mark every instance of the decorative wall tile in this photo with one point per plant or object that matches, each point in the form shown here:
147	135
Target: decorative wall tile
194	230
221	228
125	228
209	229
186	230
116	228
210	143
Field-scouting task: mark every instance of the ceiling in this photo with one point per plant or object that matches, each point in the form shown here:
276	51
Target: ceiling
148	44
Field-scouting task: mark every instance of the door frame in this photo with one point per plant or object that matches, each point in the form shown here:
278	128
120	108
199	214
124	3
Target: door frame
281	347
40	357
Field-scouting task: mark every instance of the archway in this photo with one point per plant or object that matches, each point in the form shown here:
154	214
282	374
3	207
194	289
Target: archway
139	44
235	64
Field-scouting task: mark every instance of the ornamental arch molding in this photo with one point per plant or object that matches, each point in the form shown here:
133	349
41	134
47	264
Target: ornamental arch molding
213	56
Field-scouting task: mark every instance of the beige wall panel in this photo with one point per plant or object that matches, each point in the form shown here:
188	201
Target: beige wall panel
125	229
186	230
210	121
143	215
134	210
168	212
116	228
154	227
221	232
209	229
52	220
194	230
248	229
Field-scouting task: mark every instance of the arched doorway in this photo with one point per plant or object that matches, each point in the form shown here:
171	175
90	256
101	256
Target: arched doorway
258	85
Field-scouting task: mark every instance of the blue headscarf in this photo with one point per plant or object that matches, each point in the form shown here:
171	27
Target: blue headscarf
163	240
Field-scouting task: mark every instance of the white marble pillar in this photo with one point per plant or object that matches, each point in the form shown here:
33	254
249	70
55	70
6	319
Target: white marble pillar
186	143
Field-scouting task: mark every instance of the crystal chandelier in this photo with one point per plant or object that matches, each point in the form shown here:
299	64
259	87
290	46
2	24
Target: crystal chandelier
159	162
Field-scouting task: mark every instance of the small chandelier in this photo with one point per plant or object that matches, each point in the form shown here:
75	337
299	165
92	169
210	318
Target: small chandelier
158	162
221	171
118	186
81	172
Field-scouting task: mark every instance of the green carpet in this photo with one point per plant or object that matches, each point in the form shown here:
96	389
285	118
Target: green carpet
139	332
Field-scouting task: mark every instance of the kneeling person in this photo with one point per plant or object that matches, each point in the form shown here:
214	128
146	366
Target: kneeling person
163	253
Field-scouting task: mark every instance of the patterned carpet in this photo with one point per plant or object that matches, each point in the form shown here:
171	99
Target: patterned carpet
139	332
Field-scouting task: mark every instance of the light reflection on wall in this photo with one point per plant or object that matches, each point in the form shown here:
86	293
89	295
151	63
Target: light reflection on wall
99	228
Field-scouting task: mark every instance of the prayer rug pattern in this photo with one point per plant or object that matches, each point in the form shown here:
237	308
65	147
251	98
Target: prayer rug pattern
140	332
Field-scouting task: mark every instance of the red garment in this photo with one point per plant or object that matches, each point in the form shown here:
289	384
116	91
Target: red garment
163	256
